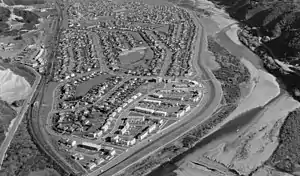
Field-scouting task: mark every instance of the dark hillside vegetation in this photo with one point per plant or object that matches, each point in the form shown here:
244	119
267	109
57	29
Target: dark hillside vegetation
277	19
23	2
7	114
287	155
24	157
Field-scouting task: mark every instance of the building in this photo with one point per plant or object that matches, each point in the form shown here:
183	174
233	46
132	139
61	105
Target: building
152	128
152	101
99	161
90	146
144	109
124	105
112	152
67	142
125	128
130	142
119	109
180	113
187	108
99	133
77	156
156	95
143	135
162	113
129	100
91	165
105	127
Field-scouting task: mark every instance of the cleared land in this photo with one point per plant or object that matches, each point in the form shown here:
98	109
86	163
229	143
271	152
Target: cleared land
13	87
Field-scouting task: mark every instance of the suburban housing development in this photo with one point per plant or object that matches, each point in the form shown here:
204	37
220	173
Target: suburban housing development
148	88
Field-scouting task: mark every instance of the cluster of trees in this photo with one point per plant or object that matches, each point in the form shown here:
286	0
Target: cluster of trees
231	73
287	154
4	14
24	157
28	17
6	115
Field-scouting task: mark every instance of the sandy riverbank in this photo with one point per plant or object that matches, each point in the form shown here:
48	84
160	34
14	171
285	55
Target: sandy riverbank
232	34
252	148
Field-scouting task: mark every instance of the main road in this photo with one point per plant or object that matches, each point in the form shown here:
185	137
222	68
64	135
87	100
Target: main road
19	118
208	106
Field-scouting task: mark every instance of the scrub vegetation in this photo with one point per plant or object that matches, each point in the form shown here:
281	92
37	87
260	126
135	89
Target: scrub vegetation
287	155
24	157
6	115
231	73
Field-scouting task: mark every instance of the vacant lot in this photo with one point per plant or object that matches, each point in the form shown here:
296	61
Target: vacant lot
23	2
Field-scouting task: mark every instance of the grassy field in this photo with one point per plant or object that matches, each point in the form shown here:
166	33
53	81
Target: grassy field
132	58
84	87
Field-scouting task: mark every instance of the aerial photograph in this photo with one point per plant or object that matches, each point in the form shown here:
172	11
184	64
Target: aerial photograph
149	88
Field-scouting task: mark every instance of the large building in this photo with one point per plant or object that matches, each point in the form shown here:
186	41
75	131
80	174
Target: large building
152	101
144	109
90	146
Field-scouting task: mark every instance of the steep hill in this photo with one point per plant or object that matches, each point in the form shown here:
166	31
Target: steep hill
280	20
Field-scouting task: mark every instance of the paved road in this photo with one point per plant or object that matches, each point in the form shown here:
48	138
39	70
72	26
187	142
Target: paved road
19	118
206	109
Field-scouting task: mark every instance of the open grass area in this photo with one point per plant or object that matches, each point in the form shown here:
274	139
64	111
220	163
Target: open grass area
85	86
132	58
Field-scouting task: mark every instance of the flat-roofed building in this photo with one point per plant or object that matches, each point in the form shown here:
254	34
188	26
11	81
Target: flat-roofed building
90	146
77	156
152	128
130	142
152	101
162	113
143	135
99	161
144	109
156	95
91	165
